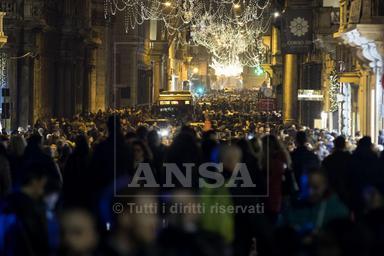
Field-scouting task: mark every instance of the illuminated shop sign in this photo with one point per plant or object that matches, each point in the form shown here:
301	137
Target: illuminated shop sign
310	95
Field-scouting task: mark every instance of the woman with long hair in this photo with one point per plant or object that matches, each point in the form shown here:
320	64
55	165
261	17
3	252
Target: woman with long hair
275	161
141	153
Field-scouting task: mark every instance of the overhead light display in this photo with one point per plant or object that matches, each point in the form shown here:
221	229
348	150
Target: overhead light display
231	30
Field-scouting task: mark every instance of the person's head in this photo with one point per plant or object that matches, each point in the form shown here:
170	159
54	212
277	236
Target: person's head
135	223
34	180
142	133
210	135
365	143
184	149
130	136
140	151
301	138
230	156
271	144
64	151
35	140
188	130
185	220
257	146
17	145
82	146
78	232
318	185
153	138
340	143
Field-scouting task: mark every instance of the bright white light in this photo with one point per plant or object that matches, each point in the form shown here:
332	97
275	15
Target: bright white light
231	69
167	4
164	132
276	14
324	115
236	6
324	119
195	70
200	90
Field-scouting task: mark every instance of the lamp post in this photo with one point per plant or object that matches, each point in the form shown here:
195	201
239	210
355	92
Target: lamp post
5	115
3	37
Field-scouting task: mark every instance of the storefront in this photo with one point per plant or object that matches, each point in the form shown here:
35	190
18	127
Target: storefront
367	41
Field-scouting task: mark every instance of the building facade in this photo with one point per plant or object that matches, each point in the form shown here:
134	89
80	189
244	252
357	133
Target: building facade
354	69
54	58
340	77
65	57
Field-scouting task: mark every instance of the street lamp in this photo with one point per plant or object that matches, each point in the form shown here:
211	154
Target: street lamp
3	37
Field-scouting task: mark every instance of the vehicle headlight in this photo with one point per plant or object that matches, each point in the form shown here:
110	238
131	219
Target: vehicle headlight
164	132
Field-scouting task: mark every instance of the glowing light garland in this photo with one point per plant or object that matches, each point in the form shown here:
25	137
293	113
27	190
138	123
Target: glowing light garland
230	44
3	70
334	90
228	69
231	30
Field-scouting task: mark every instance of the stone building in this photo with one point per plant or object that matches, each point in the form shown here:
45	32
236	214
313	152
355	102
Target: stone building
297	61
54	57
65	57
338	82
353	71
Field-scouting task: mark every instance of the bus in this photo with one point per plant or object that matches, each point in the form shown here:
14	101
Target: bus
175	104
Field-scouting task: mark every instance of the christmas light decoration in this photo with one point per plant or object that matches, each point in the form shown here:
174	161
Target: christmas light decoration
334	91
231	30
3	70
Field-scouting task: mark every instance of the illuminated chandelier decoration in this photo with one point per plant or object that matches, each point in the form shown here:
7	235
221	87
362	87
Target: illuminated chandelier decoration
231	30
231	45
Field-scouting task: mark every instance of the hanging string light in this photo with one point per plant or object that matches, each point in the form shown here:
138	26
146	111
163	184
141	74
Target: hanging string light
3	70
231	30
177	13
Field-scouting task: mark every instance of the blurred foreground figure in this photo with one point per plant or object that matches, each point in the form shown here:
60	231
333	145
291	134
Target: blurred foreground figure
303	160
336	168
27	234
78	233
133	231
182	234
110	159
97	167
321	206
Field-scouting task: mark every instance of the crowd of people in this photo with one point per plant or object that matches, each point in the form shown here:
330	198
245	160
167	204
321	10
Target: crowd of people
64	186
